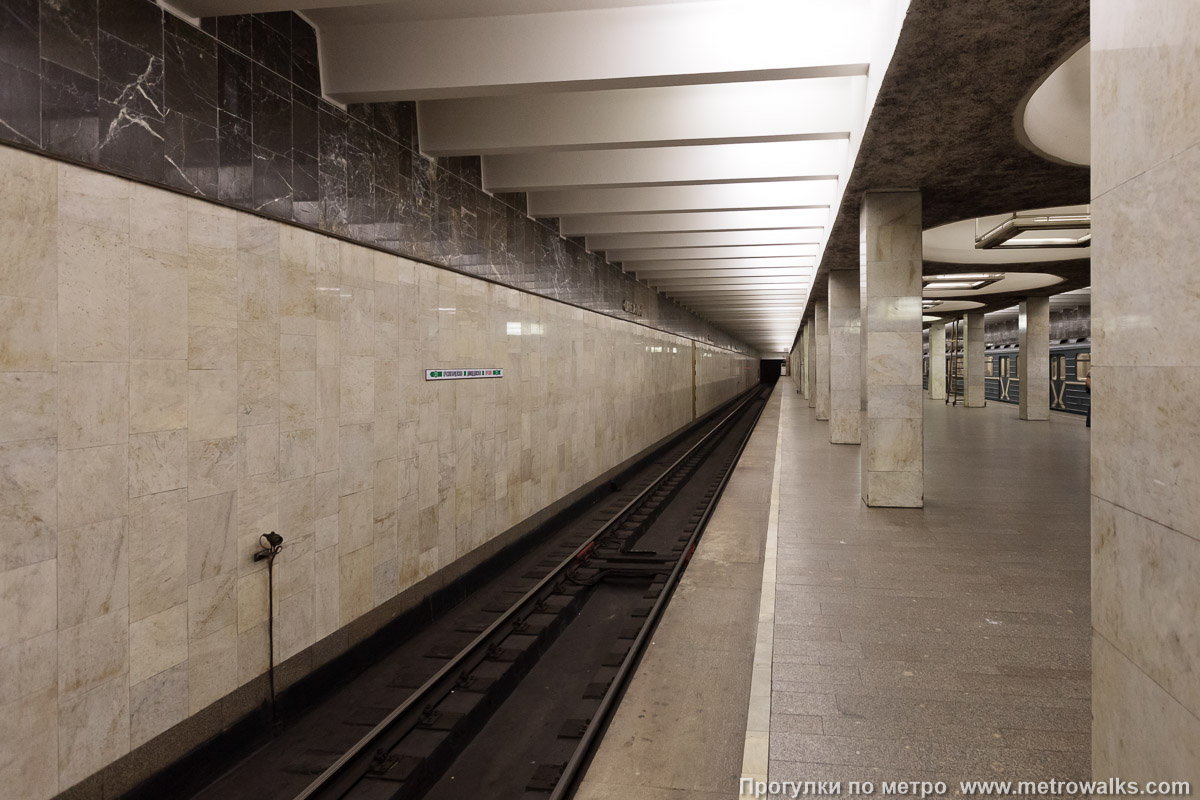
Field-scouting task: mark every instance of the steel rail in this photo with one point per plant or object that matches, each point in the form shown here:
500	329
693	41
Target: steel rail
573	770
358	749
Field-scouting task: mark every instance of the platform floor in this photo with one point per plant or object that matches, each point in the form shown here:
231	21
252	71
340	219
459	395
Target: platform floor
945	643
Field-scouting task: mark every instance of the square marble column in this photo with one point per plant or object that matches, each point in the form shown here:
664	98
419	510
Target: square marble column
1033	340
973	352
804	360
937	361
844	357
811	360
892	456
1145	136
821	358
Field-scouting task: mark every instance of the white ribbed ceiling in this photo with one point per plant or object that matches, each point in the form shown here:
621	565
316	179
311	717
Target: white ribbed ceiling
704	146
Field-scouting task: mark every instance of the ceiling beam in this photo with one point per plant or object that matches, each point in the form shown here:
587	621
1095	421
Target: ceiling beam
589	225
742	238
649	267
760	111
749	253
380	52
659	199
654	166
744	272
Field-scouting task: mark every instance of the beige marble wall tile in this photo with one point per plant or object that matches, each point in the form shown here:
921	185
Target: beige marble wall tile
212	668
29	745
212	467
93	484
158	322
93	571
212	286
258	450
297	454
29	338
211	536
297	302
93	730
212	404
157	643
28	602
1140	732
1133	557
211	227
326	611
158	462
252	594
297	509
28	667
157	703
297	351
158	551
357	321
357	388
30	266
28	502
355	521
355	584
257	513
253	653
298	248
1143	454
296	617
297	399
212	605
157	396
356	454
212	348
258	392
93	294
1144	107
157	220
87	197
27	405
93	405
92	654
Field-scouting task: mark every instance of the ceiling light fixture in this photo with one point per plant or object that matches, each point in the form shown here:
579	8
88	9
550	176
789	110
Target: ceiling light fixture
1005	235
970	281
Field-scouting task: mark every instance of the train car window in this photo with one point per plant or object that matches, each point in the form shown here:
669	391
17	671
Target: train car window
1053	368
988	366
1083	365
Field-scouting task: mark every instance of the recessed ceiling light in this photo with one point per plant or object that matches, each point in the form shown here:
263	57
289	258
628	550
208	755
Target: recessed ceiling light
1005	235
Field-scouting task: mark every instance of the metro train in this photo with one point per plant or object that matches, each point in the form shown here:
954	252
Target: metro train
1070	362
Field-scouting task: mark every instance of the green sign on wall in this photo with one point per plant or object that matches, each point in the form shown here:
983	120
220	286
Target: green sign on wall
460	374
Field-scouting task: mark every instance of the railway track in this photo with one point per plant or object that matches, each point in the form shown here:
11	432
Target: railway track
511	697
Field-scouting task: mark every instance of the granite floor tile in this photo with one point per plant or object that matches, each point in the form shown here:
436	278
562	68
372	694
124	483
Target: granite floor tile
944	643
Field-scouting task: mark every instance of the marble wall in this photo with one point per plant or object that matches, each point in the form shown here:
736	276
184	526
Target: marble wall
1145	111
178	377
233	112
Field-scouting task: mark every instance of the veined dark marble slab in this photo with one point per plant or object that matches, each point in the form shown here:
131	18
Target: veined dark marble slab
232	111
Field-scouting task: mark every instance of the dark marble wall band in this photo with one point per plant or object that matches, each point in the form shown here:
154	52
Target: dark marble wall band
233	113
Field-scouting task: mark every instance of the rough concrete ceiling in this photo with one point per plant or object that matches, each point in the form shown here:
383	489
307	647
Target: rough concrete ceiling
944	123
